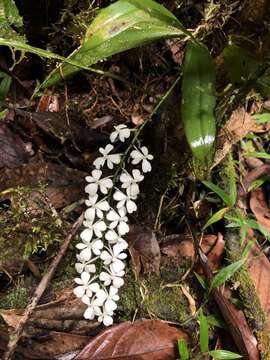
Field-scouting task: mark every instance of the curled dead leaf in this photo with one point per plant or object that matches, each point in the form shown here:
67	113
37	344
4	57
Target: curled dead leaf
141	340
260	208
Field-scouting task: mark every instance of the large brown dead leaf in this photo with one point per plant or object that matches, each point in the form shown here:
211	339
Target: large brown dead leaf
259	271
13	151
236	128
260	208
144	249
141	340
65	185
183	247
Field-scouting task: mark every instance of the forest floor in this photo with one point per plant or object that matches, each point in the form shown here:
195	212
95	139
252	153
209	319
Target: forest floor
47	147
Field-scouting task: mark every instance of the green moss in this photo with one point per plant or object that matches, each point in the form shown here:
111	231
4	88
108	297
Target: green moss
155	297
15	299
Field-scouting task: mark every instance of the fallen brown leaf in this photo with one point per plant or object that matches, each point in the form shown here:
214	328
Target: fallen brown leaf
259	271
251	176
13	151
141	340
236	128
260	208
179	246
144	249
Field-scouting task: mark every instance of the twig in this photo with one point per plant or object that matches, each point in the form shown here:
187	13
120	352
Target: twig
16	336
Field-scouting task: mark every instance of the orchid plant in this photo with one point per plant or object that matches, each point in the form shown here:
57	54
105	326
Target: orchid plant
102	247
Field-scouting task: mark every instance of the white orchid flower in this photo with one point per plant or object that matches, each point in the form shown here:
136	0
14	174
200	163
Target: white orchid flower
130	182
114	256
112	277
86	285
96	182
83	265
121	131
87	248
112	237
92	228
93	308
143	156
95	207
111	159
106	317
119	220
125	200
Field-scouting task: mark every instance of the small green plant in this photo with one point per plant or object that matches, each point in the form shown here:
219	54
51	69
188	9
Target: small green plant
204	344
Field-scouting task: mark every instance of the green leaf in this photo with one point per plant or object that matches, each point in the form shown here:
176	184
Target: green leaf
204	338
226	273
256	226
216	217
5	82
183	349
124	25
240	64
262	118
198	105
201	280
260	155
221	193
257	183
213	321
224	354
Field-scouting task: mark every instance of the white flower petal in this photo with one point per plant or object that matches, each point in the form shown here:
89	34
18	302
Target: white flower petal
79	291
79	267
118	266
85	277
110	305
107	320
90	214
123	228
99	162
86	234
118	282
112	215
86	254
94	287
131	206
91	189
89	313
146	166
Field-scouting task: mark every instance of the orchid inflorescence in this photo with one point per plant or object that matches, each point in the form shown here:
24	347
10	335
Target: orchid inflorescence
106	222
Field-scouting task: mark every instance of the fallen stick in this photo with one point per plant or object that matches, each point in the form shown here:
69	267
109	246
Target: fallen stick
16	336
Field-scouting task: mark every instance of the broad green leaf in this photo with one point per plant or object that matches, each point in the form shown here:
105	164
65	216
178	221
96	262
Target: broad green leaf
240	64
198	105
183	349
124	25
226	273
224	354
221	193
5	82
204	338
216	217
262	118
259	155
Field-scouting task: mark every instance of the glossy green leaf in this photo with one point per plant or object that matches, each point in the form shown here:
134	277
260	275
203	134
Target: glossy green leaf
124	25
259	155
204	338
198	104
221	193
183	349
226	273
224	354
262	118
216	217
